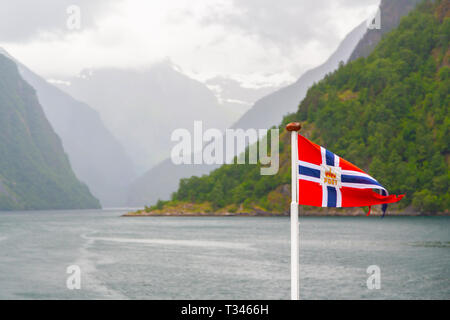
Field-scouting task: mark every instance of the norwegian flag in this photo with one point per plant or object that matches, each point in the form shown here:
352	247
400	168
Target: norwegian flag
327	180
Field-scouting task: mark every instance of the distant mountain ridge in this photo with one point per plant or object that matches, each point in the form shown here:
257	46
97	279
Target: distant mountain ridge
160	181
270	110
143	107
35	172
163	179
388	113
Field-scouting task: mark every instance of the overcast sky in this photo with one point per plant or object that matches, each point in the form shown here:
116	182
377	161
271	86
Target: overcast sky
258	42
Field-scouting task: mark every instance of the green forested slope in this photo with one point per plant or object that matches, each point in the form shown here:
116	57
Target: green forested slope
387	113
34	170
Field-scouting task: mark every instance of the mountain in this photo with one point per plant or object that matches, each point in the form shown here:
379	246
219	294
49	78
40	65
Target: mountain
390	14
388	113
270	110
97	158
35	172
163	179
143	107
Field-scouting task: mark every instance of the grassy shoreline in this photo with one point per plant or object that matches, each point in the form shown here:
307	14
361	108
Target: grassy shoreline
304	212
176	208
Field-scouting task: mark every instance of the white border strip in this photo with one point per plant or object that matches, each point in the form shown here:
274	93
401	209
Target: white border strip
308	178
323	152
338	198
308	165
357	173
324	196
362	186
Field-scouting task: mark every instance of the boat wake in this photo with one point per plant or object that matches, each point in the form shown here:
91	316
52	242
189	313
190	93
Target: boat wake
169	242
87	262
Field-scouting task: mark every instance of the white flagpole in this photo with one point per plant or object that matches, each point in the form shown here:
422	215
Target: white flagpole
295	237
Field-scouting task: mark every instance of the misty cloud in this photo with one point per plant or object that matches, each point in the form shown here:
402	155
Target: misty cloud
260	43
24	20
292	23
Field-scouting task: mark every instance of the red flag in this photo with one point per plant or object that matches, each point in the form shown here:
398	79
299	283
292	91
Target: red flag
327	180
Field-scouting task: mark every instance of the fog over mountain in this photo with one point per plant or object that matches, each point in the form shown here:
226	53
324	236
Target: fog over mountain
163	179
254	41
114	101
270	110
35	173
160	181
97	158
143	107
360	42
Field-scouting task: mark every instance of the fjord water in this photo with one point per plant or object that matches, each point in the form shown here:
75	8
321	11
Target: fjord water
220	257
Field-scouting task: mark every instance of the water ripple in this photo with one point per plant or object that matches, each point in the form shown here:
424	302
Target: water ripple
189	243
431	244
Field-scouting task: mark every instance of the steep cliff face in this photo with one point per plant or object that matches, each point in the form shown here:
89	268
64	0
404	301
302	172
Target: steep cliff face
95	155
390	13
97	158
35	172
